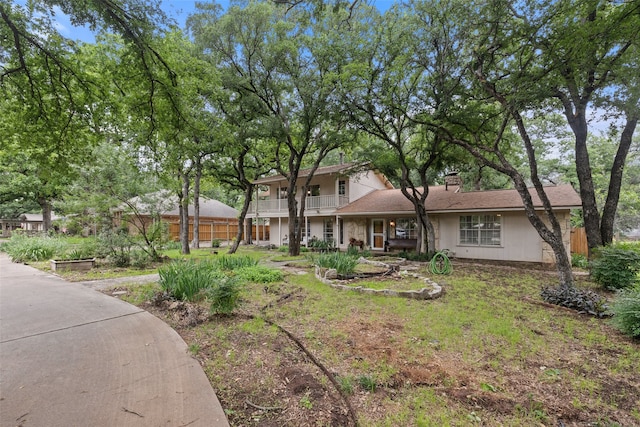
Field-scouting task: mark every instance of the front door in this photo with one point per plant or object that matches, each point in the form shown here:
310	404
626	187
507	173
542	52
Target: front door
377	234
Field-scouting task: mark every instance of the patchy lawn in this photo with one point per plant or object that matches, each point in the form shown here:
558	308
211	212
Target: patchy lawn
489	352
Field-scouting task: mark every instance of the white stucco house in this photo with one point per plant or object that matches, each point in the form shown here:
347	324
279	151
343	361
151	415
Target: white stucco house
489	225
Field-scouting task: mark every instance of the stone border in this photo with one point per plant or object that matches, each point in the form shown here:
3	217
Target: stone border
329	276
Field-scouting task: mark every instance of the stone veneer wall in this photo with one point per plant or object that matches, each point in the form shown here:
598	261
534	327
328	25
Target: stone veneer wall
564	218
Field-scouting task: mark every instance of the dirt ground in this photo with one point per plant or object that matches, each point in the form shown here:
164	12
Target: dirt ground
268	376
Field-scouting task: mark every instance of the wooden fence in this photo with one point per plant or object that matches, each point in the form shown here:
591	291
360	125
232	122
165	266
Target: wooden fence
224	231
579	241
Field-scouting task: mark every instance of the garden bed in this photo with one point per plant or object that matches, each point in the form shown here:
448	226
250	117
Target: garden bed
72	264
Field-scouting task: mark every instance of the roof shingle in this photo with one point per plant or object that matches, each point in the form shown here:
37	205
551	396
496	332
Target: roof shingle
442	200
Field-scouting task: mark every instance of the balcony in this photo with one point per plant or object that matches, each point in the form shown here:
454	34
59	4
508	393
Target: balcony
315	203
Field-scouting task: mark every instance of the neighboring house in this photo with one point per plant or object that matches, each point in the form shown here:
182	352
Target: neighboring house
331	188
489	225
31	223
217	220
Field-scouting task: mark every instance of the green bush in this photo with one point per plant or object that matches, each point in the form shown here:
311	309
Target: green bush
344	263
224	295
414	256
580	261
140	259
185	280
115	246
582	300
626	311
259	274
616	267
22	248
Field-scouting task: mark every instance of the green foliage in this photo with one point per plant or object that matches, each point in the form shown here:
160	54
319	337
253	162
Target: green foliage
84	250
215	243
616	267
368	383
580	261
259	274
322	245
353	251
23	248
224	295
343	262
414	256
140	259
184	280
626	311
234	262
115	246
582	300
346	385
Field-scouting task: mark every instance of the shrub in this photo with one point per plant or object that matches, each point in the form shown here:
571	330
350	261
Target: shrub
580	261
322	245
626	312
140	259
582	300
184	280
115	246
22	248
259	274
615	267
224	295
414	256
215	243
343	263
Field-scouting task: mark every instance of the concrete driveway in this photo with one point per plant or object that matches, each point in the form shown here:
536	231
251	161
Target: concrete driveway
71	356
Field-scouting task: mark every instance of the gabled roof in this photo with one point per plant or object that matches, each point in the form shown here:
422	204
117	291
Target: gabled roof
28	217
340	169
209	208
441	200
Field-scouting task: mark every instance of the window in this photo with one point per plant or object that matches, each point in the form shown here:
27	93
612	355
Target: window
297	225
342	188
405	228
327	231
480	230
282	193
313	190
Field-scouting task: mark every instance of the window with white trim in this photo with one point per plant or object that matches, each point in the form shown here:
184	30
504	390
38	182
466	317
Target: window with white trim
342	187
481	230
327	232
405	228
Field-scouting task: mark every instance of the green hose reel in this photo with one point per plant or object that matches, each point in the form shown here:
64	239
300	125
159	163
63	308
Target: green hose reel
440	263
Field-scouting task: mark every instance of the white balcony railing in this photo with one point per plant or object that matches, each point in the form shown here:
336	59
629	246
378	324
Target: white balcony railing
312	202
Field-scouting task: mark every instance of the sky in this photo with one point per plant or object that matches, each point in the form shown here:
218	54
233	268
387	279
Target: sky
176	9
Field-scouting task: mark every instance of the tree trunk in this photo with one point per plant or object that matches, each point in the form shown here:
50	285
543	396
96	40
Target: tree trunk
615	181
195	243
184	215
45	204
248	196
294	235
249	238
587	191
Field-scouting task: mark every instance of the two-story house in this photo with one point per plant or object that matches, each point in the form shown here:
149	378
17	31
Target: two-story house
331	188
342	205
